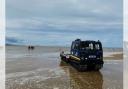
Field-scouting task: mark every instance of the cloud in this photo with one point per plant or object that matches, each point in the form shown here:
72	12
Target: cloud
109	39
70	8
13	41
39	23
58	22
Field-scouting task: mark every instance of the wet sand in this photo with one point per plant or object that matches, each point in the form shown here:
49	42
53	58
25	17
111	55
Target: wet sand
125	65
42	69
116	56
2	67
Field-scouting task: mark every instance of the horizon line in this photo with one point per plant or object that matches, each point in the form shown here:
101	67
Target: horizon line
50	45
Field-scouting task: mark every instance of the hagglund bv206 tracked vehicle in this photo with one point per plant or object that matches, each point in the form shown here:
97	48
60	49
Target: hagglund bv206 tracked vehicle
84	55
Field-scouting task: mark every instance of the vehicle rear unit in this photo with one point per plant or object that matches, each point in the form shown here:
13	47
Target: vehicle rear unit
84	55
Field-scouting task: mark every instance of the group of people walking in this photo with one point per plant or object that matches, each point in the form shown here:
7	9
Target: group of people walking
31	47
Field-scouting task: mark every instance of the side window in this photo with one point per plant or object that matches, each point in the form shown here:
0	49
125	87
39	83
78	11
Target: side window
76	46
97	46
72	45
91	46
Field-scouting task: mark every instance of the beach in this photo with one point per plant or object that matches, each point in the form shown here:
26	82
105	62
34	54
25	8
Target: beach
125	67
2	67
42	68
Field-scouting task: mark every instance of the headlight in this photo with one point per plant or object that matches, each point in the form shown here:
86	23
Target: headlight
86	58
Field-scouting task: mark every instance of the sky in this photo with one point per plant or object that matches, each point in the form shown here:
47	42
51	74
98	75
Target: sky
125	30
59	22
2	23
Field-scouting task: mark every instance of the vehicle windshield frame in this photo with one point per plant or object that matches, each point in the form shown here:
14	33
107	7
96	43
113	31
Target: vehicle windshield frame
90	46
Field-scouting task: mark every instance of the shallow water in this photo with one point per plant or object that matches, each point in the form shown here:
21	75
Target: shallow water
43	69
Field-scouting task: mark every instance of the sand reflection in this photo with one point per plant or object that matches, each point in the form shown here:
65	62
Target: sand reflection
82	80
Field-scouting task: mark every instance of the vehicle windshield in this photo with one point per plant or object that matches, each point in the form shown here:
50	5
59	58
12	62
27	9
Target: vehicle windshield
90	46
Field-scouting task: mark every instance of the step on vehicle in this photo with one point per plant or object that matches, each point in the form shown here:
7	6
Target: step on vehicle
84	55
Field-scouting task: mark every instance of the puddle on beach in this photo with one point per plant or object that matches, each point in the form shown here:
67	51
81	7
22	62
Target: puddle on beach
48	72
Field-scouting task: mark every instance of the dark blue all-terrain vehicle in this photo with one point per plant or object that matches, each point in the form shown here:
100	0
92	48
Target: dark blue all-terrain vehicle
84	55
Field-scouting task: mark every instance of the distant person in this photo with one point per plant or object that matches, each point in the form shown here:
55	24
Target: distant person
31	47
